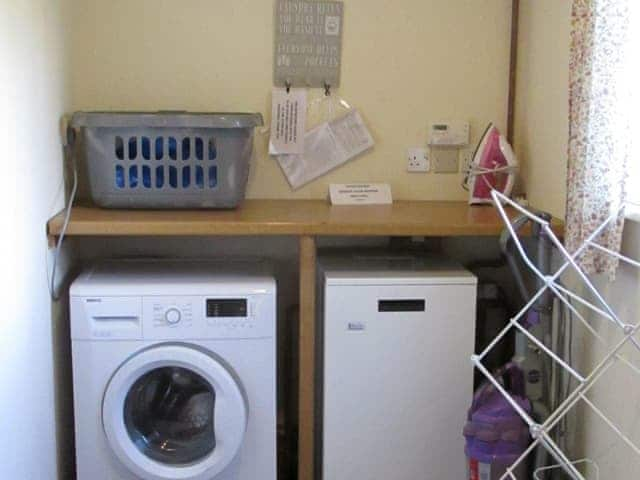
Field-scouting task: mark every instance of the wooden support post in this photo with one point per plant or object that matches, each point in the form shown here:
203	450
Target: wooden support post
513	67
306	405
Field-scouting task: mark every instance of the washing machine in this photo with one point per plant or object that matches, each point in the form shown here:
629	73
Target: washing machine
174	371
396	333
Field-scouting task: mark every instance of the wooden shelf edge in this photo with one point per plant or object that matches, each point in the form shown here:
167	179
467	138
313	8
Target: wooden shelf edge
291	218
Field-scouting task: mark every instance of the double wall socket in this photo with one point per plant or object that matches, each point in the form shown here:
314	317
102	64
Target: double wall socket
417	160
439	159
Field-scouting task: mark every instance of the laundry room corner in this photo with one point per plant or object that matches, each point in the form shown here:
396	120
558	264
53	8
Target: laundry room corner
320	240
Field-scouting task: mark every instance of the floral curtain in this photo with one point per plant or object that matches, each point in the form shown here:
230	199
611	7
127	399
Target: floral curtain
599	141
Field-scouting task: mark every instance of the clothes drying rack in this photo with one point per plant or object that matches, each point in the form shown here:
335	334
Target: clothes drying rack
541	432
593	466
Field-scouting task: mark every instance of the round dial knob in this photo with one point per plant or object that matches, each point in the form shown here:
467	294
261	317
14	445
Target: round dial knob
172	316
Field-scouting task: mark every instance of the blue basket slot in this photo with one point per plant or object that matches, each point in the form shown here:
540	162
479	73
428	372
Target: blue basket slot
173	148
186	177
133	148
186	148
213	177
146	148
199	148
119	145
119	176
146	176
173	177
159	148
159	177
133	176
199	177
213	151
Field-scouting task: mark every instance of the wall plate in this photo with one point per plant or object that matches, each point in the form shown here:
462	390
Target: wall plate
445	160
417	160
466	157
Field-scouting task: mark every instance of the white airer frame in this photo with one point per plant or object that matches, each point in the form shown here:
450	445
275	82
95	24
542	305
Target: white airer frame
540	432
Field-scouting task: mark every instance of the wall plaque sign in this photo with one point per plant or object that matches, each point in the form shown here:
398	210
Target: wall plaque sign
308	43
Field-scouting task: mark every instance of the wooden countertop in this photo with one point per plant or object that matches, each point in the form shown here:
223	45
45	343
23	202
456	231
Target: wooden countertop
291	217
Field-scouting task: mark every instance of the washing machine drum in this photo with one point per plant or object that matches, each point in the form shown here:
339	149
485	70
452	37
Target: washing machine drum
174	412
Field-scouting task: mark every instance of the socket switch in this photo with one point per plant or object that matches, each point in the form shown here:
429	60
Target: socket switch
417	160
445	160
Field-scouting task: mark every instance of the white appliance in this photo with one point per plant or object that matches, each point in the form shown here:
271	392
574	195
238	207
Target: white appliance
174	372
396	339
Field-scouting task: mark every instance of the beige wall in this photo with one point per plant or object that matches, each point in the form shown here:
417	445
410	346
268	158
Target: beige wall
406	63
33	81
542	106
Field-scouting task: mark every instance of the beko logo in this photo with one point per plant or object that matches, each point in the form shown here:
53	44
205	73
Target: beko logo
93	300
355	326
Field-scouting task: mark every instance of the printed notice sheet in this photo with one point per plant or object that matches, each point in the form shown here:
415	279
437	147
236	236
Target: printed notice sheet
326	147
288	121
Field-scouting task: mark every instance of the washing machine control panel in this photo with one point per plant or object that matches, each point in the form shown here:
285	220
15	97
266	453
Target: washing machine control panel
209	317
233	314
172	314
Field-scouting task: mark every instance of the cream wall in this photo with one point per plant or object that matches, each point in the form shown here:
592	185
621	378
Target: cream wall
406	63
542	101
34	96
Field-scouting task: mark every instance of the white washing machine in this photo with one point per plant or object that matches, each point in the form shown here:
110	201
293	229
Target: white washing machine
174	369
396	337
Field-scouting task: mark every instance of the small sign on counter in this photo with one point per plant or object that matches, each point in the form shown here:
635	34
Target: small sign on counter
360	194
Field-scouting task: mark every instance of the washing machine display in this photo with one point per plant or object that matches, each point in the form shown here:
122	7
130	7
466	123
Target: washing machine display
224	307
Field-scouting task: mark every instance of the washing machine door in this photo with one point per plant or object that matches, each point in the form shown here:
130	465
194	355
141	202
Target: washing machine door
174	412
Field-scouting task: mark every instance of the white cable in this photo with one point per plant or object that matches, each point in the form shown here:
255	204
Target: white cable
476	171
55	296
480	170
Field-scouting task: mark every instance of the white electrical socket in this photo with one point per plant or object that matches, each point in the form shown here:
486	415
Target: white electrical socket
466	157
417	160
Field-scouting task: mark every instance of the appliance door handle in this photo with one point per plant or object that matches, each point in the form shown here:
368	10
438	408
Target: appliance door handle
116	318
402	305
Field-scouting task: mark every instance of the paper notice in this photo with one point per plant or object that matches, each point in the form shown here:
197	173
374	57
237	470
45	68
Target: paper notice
288	121
351	134
326	147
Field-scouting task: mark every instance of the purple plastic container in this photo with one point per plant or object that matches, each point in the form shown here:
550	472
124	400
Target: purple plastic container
495	434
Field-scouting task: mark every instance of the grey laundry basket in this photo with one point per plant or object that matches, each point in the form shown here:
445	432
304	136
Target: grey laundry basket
165	160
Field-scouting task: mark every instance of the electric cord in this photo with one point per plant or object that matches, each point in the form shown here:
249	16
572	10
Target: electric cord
55	296
482	172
